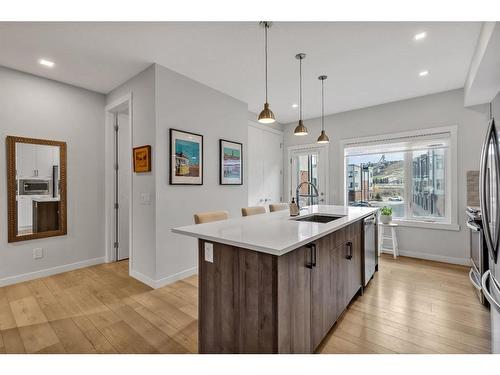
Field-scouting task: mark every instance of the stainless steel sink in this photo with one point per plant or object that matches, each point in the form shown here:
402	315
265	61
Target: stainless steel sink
319	218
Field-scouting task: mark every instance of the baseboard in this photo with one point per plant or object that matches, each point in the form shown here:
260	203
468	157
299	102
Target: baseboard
437	258
143	278
176	277
155	284
50	271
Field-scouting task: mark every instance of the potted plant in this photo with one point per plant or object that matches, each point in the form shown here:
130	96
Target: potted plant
386	215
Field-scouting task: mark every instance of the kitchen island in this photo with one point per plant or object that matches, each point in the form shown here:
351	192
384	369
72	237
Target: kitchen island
274	284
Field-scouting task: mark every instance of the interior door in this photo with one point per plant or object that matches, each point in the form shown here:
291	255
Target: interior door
308	165
124	172
265	166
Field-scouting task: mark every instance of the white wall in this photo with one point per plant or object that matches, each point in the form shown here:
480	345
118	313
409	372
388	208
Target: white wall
142	87
435	110
188	105
35	107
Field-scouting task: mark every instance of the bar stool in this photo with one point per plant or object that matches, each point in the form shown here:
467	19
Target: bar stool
392	237
207	217
278	207
256	210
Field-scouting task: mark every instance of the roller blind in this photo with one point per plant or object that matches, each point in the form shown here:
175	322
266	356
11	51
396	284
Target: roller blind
398	144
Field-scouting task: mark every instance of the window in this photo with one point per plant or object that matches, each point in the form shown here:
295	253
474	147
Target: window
411	173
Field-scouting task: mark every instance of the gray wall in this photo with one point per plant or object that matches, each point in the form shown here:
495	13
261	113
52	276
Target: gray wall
495	108
163	99
35	107
443	109
188	105
142	87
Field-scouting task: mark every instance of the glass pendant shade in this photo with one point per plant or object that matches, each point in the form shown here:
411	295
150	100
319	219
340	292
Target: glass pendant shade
300	129
266	116
323	138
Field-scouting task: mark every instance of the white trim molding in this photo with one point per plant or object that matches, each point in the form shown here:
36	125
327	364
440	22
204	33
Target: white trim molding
50	271
433	257
155	284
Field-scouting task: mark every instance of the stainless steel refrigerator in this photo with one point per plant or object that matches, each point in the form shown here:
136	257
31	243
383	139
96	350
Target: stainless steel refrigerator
490	211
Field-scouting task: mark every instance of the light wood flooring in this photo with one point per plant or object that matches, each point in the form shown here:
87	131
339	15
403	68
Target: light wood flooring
411	306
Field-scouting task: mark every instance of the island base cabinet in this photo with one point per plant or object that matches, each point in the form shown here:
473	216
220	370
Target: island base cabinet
253	302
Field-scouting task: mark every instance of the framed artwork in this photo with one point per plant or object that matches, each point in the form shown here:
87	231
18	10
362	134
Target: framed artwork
186	158
142	159
230	163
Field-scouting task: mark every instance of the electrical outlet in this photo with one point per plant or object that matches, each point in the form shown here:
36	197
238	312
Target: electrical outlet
209	252
37	253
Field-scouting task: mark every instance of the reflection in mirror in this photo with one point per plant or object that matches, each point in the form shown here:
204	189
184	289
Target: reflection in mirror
37	191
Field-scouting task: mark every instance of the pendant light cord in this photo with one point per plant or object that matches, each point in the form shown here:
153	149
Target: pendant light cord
266	26
323	105
300	89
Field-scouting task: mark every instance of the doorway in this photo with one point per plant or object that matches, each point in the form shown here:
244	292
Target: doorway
119	181
121	196
308	164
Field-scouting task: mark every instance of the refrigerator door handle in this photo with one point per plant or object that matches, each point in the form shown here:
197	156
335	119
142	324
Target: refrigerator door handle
486	291
473	280
483	184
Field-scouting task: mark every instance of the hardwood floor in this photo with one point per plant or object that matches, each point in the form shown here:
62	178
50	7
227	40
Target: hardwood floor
411	306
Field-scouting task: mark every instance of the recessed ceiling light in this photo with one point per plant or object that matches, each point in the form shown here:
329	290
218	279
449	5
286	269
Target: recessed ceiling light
423	73
420	36
46	63
295	105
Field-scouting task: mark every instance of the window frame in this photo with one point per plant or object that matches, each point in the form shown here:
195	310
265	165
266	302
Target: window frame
451	188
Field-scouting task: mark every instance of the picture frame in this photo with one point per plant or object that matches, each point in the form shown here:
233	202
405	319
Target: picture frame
230	162
186	158
142	159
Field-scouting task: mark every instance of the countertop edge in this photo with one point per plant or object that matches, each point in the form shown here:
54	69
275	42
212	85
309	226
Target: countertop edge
277	252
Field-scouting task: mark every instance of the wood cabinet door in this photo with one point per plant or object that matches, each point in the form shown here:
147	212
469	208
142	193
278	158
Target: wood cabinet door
294	301
323	292
339	270
353	267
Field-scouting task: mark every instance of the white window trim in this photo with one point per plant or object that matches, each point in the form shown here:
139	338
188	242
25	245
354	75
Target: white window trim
452	173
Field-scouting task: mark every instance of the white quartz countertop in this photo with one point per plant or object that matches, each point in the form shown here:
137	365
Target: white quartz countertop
276	233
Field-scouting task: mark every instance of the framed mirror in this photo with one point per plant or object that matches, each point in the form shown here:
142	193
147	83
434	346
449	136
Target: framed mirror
36	188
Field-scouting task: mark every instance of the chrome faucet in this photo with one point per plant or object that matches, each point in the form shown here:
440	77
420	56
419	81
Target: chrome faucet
298	195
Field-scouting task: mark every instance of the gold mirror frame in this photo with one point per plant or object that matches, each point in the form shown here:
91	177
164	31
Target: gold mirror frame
11	189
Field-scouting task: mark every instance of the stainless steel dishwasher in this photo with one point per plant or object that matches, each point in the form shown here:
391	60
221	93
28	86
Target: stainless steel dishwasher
370	240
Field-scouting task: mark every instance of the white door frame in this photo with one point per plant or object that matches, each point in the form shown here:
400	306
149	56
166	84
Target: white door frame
322	150
258	125
110	182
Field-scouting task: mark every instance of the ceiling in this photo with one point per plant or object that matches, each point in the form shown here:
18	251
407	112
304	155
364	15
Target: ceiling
367	63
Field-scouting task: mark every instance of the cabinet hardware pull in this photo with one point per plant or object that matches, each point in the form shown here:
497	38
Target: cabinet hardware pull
315	255
312	263
349	247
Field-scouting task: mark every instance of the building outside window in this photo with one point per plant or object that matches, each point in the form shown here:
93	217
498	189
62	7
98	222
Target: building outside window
410	174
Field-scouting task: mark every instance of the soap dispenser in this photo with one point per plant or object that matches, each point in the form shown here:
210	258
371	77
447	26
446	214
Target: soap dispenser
294	209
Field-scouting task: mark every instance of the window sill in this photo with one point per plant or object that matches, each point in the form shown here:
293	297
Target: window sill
427	225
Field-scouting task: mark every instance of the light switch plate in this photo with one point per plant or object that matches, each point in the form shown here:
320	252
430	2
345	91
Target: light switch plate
145	198
37	253
209	252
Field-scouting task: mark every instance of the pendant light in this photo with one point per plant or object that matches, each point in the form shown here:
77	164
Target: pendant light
300	129
323	138
266	116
